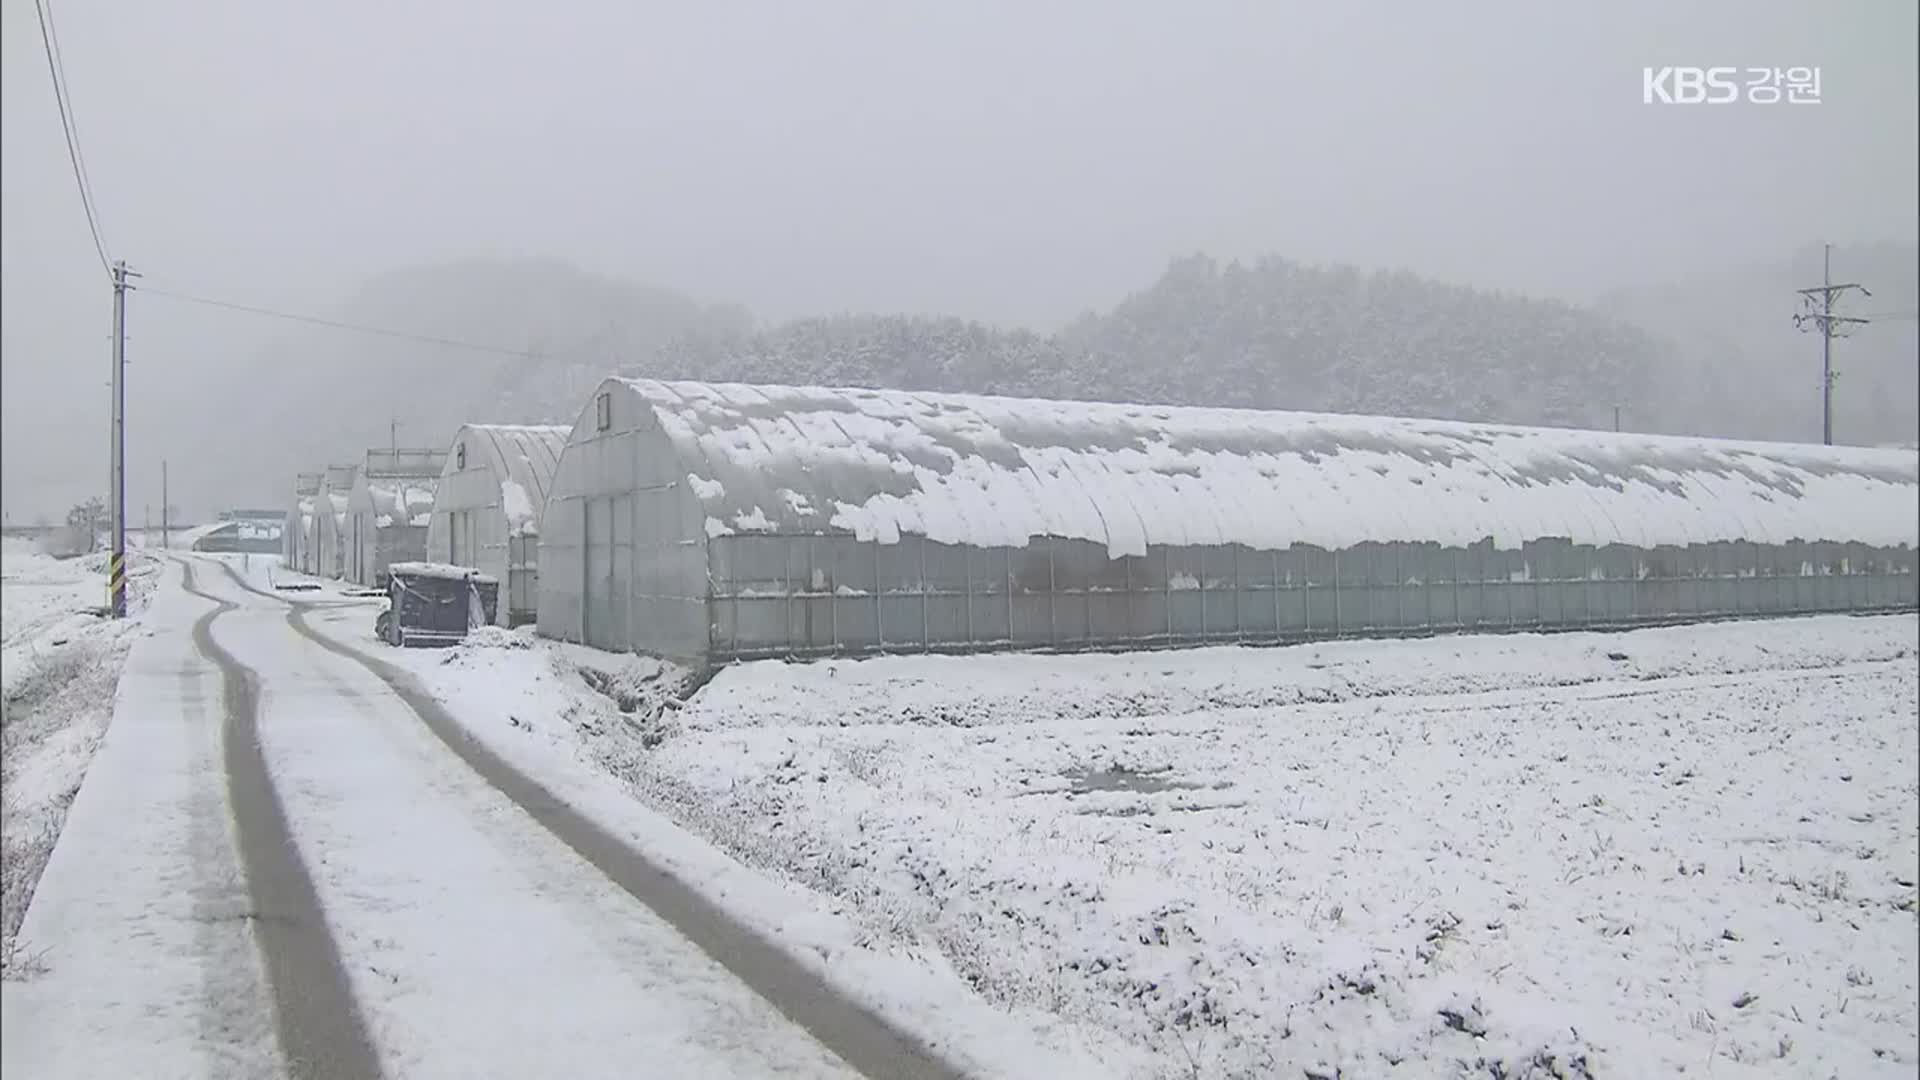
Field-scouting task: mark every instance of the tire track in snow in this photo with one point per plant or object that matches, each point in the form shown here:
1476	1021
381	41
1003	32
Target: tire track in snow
856	1035
236	1015
321	1033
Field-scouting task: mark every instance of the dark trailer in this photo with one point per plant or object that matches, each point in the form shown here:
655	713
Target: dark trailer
435	604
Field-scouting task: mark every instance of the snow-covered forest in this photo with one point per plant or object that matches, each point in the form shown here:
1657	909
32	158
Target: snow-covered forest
1708	357
1274	334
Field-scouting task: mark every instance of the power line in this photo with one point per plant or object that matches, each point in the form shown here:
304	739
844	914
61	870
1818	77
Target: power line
49	41
73	119
337	324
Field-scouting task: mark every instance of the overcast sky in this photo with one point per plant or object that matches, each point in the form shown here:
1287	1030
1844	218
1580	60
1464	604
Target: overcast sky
1015	162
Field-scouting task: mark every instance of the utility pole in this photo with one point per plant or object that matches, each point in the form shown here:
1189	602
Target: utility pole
117	564
1819	303
1616	418
166	523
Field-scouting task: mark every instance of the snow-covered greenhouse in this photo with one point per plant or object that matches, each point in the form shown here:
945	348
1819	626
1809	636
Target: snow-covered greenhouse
328	548
296	539
713	522
388	511
487	511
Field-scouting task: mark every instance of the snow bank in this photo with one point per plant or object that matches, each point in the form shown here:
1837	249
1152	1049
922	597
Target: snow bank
963	691
1629	854
991	471
62	663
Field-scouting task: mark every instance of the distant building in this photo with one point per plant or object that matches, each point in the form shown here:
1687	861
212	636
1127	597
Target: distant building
257	532
708	523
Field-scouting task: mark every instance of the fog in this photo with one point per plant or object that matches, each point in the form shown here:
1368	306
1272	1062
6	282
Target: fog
1014	163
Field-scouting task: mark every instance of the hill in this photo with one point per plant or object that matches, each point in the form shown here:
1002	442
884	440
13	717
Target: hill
1276	334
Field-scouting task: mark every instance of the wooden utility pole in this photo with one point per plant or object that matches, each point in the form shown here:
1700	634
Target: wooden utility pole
117	564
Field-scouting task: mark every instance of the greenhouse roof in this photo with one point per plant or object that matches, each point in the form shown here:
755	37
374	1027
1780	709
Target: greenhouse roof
995	471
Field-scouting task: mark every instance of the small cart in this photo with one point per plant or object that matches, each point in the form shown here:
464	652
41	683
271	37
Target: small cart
435	604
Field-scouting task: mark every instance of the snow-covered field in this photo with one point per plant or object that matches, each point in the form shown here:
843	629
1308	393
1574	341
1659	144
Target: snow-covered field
60	667
1643	853
1454	852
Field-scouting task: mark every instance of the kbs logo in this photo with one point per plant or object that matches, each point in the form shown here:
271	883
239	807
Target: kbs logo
1689	86
1721	85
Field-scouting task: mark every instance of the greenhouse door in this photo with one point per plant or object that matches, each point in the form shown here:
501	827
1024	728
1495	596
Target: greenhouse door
602	627
620	581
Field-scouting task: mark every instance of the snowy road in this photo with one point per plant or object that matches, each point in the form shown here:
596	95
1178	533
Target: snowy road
482	933
409	917
321	1032
141	958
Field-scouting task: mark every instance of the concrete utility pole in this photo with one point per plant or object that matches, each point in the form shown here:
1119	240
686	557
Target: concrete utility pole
1616	418
1819	303
117	564
166	524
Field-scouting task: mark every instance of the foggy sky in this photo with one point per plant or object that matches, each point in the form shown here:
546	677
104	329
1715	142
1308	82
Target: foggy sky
1014	162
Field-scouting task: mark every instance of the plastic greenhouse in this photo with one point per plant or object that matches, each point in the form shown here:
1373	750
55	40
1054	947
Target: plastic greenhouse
388	510
487	511
709	522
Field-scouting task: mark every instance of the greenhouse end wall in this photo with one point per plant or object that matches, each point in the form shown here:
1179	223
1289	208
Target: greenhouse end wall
623	565
775	596
470	524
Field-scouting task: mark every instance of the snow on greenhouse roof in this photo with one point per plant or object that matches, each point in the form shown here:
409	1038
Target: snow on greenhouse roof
993	471
397	499
523	456
443	571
